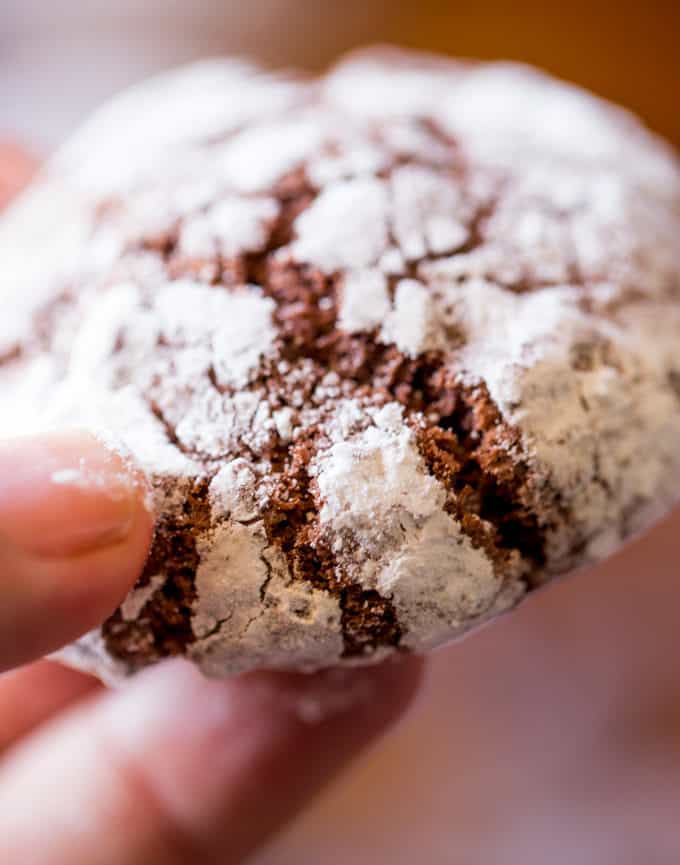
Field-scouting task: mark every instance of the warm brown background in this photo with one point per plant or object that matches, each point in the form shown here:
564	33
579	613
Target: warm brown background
59	57
553	737
626	51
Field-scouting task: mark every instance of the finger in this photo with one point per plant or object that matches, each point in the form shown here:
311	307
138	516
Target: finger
32	695
180	770
74	534
16	169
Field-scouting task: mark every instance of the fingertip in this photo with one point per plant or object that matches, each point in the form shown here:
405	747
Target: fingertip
398	682
17	167
75	526
67	495
374	695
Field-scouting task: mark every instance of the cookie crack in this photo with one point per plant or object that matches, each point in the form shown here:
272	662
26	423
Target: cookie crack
169	429
217	628
268	578
164	625
292	523
475	455
12	355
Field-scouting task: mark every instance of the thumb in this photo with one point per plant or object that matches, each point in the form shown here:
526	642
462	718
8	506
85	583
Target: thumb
179	770
74	534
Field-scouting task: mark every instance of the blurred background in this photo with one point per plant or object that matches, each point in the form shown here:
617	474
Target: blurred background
60	58
553	736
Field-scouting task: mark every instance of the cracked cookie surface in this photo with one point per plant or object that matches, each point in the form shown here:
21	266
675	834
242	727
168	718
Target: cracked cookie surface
395	347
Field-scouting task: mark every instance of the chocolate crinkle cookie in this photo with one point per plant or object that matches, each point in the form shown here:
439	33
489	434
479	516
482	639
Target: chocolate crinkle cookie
395	347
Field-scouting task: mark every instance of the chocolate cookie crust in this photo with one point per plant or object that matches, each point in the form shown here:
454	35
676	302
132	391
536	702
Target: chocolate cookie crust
394	347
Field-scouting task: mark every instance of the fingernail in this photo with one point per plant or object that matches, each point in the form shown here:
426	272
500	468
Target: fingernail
65	495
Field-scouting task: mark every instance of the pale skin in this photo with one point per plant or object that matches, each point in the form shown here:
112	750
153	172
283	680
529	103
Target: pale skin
172	769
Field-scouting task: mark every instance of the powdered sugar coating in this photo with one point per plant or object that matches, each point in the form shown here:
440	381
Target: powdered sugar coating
394	347
346	227
365	300
376	489
414	322
229	227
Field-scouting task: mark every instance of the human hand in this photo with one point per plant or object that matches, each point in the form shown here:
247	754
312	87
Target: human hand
173	769
16	168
